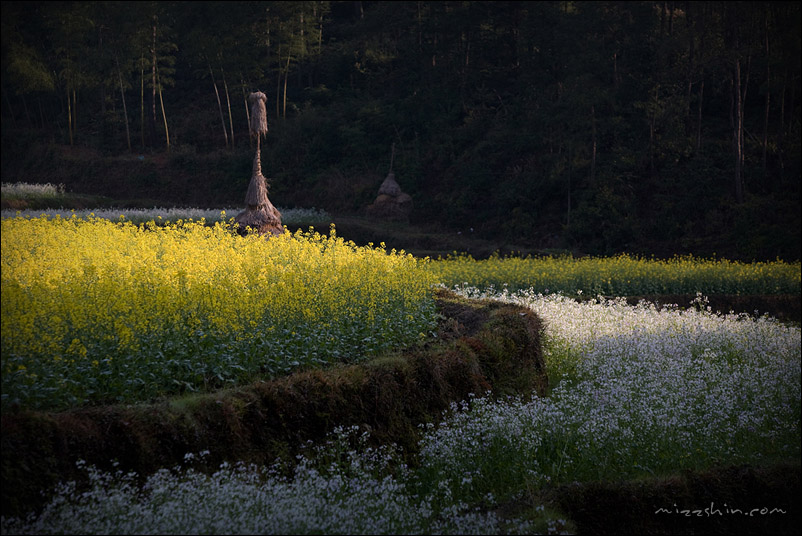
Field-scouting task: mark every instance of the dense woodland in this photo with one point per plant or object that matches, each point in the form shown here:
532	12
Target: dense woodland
595	127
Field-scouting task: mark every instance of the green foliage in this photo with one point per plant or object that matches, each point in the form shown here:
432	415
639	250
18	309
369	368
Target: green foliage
600	127
620	276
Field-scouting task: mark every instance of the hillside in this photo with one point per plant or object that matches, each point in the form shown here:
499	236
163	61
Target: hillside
592	127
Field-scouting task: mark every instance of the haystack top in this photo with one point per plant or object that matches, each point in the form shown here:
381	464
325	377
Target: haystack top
390	186
258	124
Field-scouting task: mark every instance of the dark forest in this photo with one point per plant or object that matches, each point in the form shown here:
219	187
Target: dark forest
653	128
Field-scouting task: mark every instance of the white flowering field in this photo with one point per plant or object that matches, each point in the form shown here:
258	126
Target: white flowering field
162	215
637	392
55	193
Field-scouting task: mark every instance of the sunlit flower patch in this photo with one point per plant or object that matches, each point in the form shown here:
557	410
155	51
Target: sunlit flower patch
639	392
96	312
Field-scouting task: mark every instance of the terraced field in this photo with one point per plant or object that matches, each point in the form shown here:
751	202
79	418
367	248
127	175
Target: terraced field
309	385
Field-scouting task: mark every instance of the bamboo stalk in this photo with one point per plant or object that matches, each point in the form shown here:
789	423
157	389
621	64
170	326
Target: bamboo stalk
164	115
219	106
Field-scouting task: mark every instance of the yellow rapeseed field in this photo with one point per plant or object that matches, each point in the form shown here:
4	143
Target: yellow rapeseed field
96	311
622	275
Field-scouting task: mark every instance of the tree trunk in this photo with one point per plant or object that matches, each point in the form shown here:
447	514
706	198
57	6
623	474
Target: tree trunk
69	116
320	33
570	167
742	130
671	19
737	97
56	120
782	107
125	109
219	106
768	96
420	32
152	118
789	120
781	135
10	108
699	115
691	39
102	85
737	129
228	104
278	82
701	20
142	100
301	53
593	153
247	111
75	113
651	143
41	113
286	75
615	71
164	116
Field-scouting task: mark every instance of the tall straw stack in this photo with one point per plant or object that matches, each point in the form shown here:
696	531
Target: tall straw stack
260	213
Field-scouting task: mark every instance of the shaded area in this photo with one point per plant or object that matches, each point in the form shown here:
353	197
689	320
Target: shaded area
729	500
785	307
593	127
480	346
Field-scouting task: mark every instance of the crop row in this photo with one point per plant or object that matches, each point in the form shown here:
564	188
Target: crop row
160	215
622	275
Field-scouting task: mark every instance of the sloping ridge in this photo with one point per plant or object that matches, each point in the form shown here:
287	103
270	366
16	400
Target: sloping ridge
481	346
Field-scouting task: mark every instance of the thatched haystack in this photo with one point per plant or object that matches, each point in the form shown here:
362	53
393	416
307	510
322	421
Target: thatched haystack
390	186
391	203
260	213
